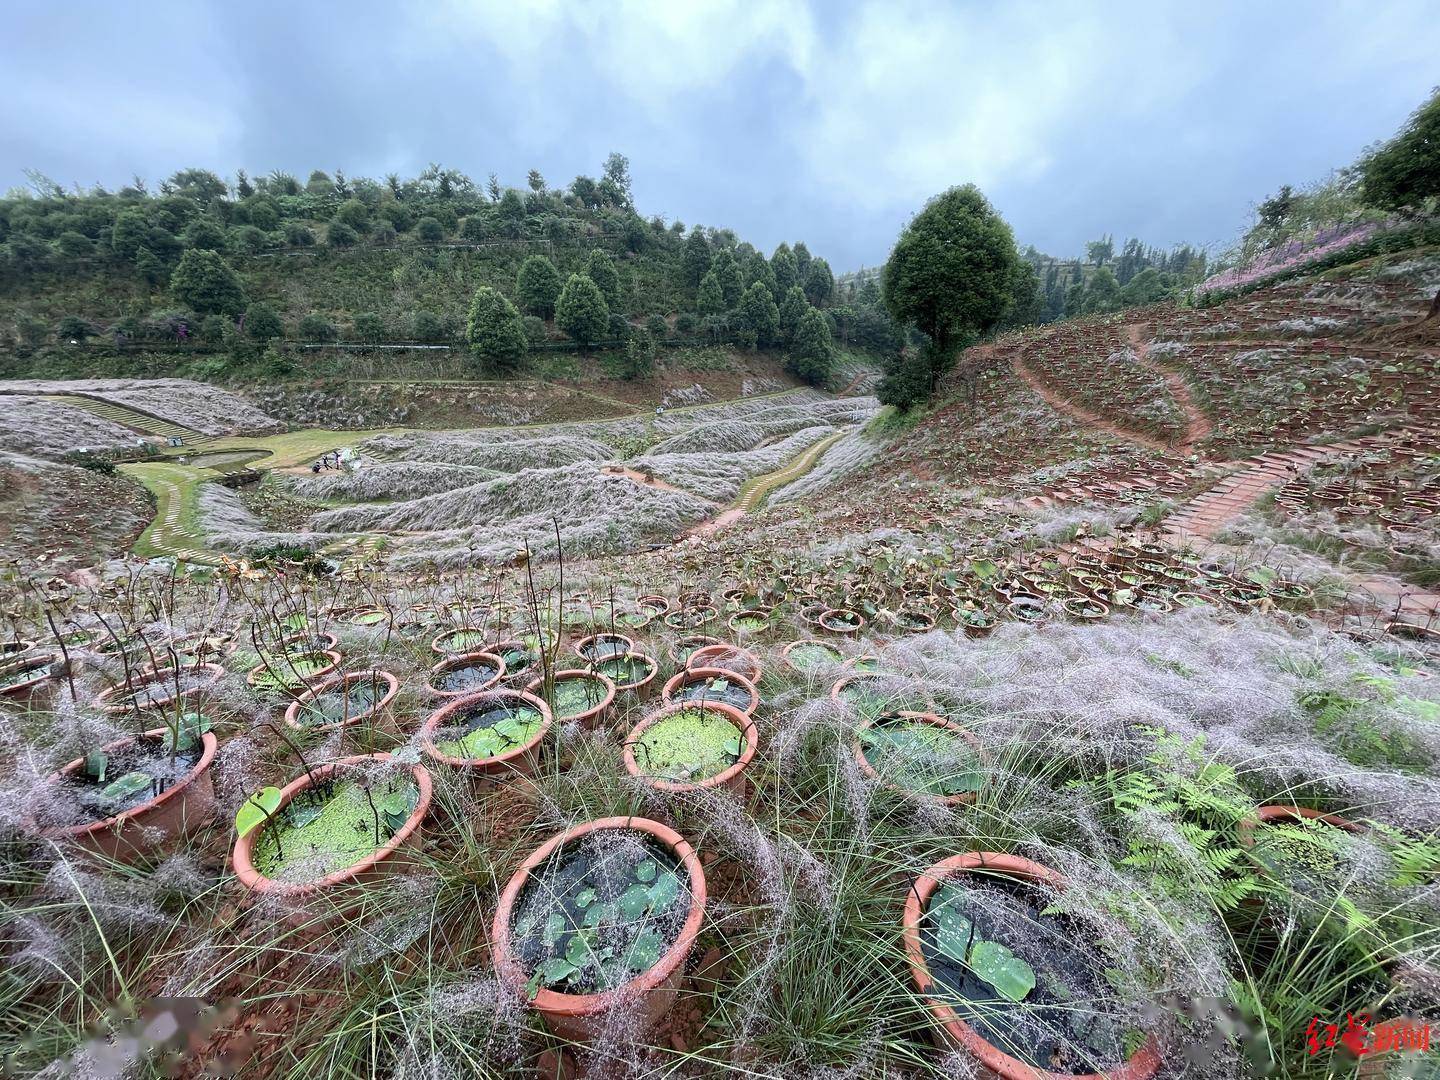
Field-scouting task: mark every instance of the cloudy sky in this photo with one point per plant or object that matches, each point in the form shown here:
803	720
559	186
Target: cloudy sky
828	122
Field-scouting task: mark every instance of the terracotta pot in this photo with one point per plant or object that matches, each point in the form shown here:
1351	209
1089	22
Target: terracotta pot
645	686
591	718
514	674
927	718
439	646
35	690
522	760
580	1017
681	679
1085	610
729	658
732	778
255	677
953	1032
377	715
654	603
842	621
692	642
152	828
1245	830
599	647
805	642
107	701
14	648
452	662
392	857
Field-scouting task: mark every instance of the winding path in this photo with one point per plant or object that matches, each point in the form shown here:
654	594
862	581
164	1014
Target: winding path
758	488
1066	407
1197	424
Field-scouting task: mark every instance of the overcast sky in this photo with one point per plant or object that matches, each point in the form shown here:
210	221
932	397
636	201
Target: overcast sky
825	122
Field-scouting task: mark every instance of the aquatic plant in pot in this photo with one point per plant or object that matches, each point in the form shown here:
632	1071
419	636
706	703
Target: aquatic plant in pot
292	673
683	648
349	699
494	733
809	655
28	680
921	752
467	673
750	621
631	672
601	646
343	823
998	967
576	696
842	621
712	684
974	618
136	797
461	639
158	688
594	927
692	744
521	657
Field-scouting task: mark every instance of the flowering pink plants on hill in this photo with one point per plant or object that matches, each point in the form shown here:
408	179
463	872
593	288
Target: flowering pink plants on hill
1295	253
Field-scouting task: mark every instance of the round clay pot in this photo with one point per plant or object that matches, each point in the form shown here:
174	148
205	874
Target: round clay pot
152	828
807	643
681	679
928	718
1085	610
42	680
679	653
514	674
654	603
390	858
728	658
591	718
643	687
439	643
462	660
842	621
108	700
647	997
255	676
954	1033
732	778
1245	830
522	760
14	648
377	715
737	621
602	646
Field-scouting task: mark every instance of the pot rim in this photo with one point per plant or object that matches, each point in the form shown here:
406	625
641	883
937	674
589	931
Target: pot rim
457	660
743	721
930	718
435	720
342	678
684	676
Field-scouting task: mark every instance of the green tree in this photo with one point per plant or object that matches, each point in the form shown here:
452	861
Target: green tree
204	232
600	269
537	286
429	230
1102	293
727	272
1027	302
695	261
428	326
1145	287
316	327
1100	251
792	310
494	329
1404	173
73	245
949	276
354	213
758	313
710	300
150	266
204	282
262	322
581	310
785	269
657	328
819	282
802	261
129	233
639	354
812	356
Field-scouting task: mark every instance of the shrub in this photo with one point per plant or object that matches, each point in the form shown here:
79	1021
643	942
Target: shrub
639	354
684	324
205	282
204	233
297	235
213	328
354	213
428	326
494	330
600	269
656	327
74	328
249	239
262	322
534	330
315	327
368	326
382	232
340	235
429	231
618	327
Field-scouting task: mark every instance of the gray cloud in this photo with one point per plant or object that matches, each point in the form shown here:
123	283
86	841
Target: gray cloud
823	122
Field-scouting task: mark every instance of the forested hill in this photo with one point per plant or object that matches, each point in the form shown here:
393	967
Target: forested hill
245	270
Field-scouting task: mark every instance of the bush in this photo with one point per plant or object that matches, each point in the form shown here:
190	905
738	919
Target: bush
600	269
262	322
204	233
74	328
429	231
428	326
639	355
87	459
355	214
684	324
214	328
382	232
297	235
619	327
581	310
249	239
368	326
399	216
315	327
534	330
656	327
537	286
340	235
205	282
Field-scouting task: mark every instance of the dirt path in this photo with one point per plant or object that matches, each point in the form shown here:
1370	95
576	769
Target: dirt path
1197	424
637	476
1066	407
757	488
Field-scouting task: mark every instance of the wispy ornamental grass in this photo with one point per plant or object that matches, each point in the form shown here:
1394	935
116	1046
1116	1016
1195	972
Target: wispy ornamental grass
227	524
750	429
390	480
719	475
847	455
547	448
34	425
208	409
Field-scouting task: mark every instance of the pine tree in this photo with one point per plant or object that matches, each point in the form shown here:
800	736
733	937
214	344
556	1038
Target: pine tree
792	310
710	300
812	356
696	259
494	329
537	286
727	273
819	282
759	314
